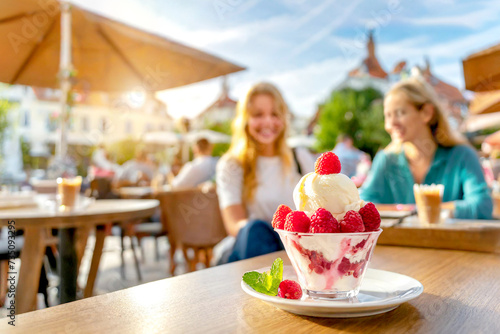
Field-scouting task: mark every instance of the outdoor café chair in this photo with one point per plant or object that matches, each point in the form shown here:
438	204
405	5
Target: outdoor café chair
193	220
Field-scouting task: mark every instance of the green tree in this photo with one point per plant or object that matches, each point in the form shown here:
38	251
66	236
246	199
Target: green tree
124	150
5	106
221	148
358	113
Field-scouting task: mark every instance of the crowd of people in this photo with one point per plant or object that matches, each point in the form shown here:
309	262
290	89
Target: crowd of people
260	171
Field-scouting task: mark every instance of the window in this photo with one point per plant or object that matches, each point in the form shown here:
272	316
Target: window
104	125
52	121
26	118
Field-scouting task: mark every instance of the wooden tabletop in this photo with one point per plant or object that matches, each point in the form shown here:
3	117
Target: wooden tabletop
465	234
34	221
98	212
461	295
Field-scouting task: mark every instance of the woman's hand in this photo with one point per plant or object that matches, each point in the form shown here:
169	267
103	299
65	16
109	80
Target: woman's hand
234	217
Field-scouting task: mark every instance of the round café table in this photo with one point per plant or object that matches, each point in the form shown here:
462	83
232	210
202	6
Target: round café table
36	222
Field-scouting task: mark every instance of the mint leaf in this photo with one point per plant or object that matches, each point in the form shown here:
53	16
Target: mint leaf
266	282
277	274
255	281
251	278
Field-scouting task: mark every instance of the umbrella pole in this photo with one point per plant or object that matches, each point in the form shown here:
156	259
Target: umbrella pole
67	252
65	68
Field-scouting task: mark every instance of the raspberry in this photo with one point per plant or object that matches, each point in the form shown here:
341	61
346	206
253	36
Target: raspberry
327	163
279	217
370	216
289	289
322	221
352	222
347	268
297	221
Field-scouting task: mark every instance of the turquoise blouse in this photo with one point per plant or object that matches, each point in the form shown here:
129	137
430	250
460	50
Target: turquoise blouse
390	181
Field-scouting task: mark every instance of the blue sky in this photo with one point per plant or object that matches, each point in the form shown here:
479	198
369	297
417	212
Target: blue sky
306	47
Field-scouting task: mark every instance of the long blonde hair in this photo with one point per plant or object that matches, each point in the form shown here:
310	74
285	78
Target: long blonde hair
418	93
243	147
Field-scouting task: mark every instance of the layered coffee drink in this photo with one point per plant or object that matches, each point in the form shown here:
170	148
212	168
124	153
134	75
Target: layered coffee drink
428	199
68	190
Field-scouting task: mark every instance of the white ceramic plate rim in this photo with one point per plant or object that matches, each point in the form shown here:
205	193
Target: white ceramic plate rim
414	291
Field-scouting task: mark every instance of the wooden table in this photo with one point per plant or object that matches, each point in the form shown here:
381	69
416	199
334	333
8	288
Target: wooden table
461	295
35	222
458	234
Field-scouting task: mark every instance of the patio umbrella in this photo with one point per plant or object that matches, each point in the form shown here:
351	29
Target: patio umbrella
485	103
480	122
482	70
50	43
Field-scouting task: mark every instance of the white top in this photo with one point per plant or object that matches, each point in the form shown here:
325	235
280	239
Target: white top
273	186
130	171
195	172
100	160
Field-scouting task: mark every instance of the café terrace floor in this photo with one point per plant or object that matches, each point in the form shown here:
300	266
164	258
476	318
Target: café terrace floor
109	278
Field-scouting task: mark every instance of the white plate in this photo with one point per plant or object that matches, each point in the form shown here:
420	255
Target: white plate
381	291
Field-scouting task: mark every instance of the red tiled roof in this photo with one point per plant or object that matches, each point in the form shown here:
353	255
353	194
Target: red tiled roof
399	67
443	89
221	102
370	64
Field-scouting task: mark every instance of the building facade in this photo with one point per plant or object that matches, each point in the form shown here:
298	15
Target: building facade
94	119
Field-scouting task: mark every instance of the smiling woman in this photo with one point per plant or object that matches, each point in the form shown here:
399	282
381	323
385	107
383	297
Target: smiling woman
425	150
259	172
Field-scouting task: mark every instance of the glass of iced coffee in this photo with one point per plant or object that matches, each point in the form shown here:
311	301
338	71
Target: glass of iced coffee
428	199
68	190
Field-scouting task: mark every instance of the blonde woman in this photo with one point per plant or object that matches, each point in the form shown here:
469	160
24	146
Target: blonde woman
425	150
259	172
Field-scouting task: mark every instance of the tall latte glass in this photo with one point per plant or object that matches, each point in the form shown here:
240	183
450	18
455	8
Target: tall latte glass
428	199
68	190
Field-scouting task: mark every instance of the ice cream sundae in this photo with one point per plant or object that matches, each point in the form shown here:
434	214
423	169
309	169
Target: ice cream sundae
331	236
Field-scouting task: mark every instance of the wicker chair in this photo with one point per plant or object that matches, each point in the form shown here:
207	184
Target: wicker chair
193	220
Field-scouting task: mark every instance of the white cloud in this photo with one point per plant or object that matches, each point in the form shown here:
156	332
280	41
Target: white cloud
189	101
326	31
470	19
303	88
263	45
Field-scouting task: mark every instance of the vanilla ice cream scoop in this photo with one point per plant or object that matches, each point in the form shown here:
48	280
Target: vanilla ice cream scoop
336	193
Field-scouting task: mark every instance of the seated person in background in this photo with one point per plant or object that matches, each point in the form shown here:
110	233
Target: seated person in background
101	166
425	150
175	168
135	172
198	171
349	155
257	174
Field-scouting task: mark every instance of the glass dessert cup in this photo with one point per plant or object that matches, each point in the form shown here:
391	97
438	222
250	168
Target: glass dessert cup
330	265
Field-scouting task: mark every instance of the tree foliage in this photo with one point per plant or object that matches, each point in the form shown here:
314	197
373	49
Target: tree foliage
357	113
224	127
124	150
5	106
